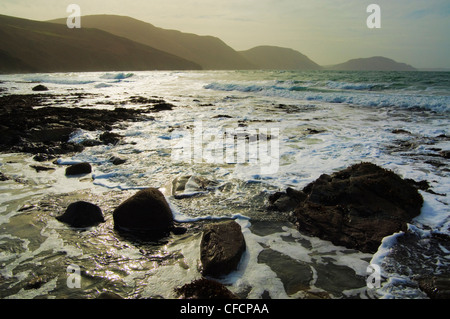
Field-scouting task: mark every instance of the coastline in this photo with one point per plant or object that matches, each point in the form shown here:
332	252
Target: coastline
51	136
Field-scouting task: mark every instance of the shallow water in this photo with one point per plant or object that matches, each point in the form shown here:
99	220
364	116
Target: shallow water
319	122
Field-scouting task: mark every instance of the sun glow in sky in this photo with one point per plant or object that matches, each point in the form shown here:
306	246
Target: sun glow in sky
327	31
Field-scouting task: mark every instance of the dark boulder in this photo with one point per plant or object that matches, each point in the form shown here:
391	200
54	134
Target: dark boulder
358	206
204	289
117	160
40	88
82	214
221	248
147	213
78	169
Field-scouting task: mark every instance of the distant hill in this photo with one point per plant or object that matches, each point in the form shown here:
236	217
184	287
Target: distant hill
377	63
276	58
119	43
209	52
34	46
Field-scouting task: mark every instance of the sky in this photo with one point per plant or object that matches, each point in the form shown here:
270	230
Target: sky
327	31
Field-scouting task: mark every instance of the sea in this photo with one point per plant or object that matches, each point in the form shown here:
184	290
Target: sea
248	134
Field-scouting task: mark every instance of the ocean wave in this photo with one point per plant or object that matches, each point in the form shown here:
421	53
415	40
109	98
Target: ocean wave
116	76
355	86
57	80
102	85
359	98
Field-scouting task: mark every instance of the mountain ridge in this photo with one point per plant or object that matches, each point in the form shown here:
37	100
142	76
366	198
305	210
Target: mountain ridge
121	43
208	51
273	57
36	46
375	63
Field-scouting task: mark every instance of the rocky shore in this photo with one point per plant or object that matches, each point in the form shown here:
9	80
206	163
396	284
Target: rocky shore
31	124
356	207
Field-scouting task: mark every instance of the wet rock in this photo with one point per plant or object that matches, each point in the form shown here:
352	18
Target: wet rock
445	154
314	131
162	106
110	138
221	248
90	143
50	134
40	87
204	289
82	214
401	131
28	124
43	157
189	186
40	168
78	169
144	100
437	287
36	283
358	207
422	185
222	116
117	161
286	201
147	212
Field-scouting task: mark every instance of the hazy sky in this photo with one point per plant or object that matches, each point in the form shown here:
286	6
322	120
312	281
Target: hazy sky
327	31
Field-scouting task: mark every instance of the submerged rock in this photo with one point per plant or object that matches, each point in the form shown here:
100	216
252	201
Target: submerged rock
204	289
358	207
436	287
189	186
82	214
78	169
221	248
147	212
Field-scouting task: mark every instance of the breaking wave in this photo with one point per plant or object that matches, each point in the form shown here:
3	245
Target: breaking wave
358	94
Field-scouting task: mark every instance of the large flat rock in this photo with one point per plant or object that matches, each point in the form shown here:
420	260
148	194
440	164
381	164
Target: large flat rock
358	206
